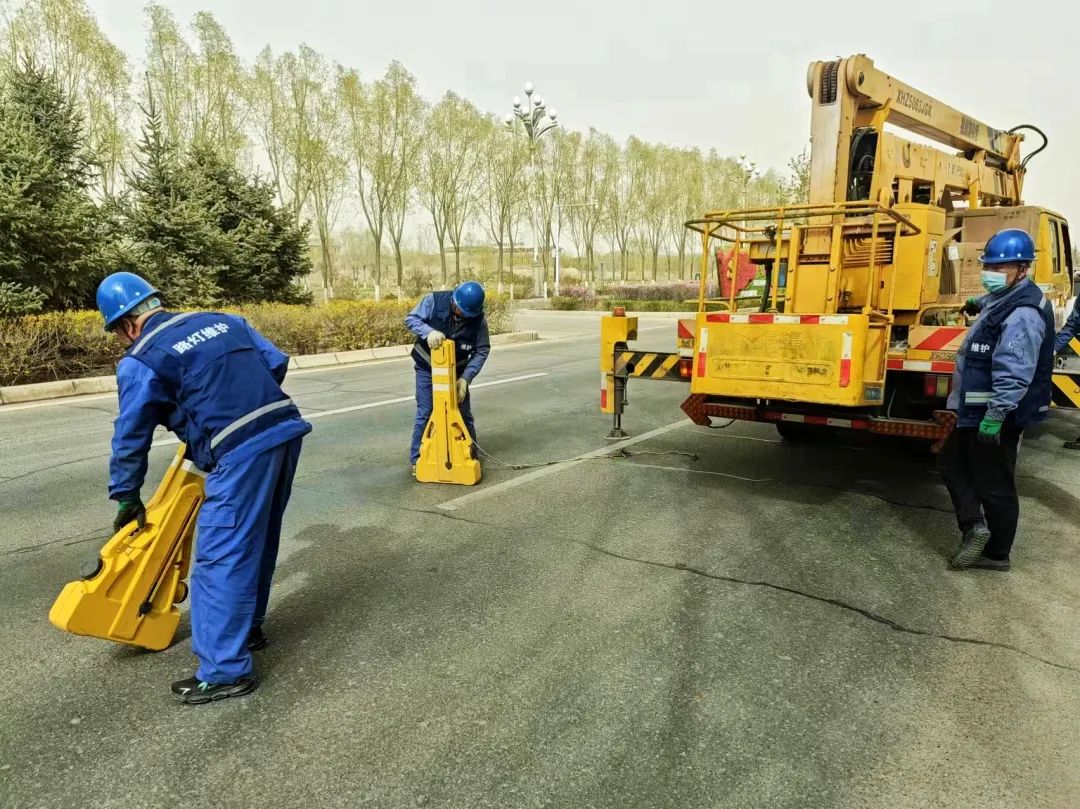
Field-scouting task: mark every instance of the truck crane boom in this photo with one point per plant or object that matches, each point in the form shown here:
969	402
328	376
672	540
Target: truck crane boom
853	100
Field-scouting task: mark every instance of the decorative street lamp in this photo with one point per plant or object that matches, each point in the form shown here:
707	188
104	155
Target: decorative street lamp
533	114
749	174
536	119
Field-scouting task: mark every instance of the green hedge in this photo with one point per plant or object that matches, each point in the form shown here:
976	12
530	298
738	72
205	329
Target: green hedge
568	303
651	306
67	345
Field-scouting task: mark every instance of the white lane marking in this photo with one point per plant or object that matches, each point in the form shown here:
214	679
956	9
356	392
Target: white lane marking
528	477
360	364
66	400
76	400
383	403
400	399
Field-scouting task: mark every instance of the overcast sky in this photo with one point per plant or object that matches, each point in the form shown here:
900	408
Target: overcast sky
699	73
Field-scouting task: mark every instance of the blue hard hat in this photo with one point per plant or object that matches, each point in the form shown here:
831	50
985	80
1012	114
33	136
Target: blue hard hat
119	294
469	298
1008	246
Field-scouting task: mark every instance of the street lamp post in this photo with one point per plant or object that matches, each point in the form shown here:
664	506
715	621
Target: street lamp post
537	120
749	174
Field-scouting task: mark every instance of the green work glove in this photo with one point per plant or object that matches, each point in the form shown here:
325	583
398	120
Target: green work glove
971	307
130	510
990	431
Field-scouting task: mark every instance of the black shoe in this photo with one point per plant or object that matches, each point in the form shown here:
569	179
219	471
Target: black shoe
256	639
971	547
194	691
986	563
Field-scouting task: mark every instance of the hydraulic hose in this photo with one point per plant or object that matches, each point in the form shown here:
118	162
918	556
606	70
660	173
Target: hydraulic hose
1039	132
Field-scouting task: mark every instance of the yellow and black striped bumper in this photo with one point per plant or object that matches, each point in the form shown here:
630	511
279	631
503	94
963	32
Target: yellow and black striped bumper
1066	389
647	365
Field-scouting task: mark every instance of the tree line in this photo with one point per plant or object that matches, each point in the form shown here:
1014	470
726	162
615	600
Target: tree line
196	137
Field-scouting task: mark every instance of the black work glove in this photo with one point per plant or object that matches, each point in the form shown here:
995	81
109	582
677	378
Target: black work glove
130	510
971	307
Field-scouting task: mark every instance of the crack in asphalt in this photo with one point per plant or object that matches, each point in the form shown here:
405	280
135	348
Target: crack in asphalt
883	498
76	539
445	514
54	466
812	484
880	619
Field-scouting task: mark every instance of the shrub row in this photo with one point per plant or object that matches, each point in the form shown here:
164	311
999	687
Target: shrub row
675	291
68	345
569	303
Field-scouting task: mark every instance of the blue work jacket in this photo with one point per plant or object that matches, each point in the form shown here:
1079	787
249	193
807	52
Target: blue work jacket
209	378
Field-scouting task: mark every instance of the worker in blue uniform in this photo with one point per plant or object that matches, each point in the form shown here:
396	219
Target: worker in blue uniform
215	382
1001	385
458	316
1069	331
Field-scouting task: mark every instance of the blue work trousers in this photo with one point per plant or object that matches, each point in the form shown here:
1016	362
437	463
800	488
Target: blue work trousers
423	412
239	529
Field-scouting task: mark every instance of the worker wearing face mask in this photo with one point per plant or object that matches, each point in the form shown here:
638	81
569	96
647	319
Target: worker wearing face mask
1001	384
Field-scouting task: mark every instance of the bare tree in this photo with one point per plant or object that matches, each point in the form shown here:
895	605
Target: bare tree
796	187
596	161
218	79
383	136
450	172
169	80
502	188
654	194
623	208
319	136
686	193
64	36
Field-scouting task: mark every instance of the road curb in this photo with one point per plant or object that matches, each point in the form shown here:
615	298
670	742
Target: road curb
62	388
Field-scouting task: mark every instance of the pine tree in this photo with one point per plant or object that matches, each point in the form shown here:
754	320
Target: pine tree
53	238
172	242
204	233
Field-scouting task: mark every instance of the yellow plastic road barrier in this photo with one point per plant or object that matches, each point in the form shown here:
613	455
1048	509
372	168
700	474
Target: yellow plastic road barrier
446	451
132	595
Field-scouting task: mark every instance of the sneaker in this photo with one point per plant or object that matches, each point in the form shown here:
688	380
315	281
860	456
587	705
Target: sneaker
194	691
986	563
971	546
256	639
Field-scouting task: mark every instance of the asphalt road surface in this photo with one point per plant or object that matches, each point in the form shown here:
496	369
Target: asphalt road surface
717	619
